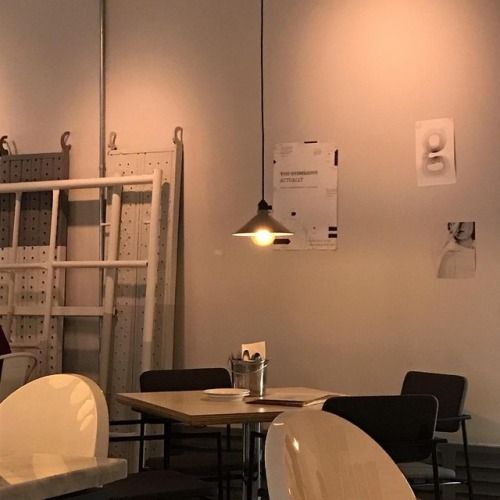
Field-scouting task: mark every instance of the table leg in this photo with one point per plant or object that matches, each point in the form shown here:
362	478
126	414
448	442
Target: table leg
251	455
247	430
258	454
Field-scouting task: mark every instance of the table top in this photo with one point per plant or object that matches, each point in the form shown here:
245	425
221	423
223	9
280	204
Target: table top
44	475
195	408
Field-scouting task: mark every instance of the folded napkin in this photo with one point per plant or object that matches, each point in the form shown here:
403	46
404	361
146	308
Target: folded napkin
253	351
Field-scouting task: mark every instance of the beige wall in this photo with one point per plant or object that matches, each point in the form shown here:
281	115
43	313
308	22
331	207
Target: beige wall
357	72
49	83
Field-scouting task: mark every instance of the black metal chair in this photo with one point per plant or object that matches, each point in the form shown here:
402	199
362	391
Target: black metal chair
204	461
180	380
197	457
450	391
402	425
4	346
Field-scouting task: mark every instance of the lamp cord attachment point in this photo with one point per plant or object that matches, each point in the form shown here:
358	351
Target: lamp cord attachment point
263	205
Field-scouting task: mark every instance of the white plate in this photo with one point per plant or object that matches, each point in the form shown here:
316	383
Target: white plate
226	394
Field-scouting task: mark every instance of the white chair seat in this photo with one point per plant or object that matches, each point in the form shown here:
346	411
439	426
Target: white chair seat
315	455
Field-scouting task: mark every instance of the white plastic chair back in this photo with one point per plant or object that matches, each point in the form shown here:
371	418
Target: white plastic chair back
63	414
15	372
315	455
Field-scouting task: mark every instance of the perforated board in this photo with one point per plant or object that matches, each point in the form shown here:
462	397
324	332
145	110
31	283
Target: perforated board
131	283
26	329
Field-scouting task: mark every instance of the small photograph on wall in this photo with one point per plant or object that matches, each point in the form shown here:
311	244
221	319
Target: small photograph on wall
458	256
435	152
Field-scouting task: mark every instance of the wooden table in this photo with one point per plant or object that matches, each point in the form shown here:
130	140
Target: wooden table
195	408
43	475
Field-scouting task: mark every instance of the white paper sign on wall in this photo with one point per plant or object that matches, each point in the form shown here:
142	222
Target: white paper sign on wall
305	194
435	152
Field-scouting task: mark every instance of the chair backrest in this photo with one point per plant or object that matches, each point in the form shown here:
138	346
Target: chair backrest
402	425
193	379
314	455
64	414
4	343
450	391
4	346
16	369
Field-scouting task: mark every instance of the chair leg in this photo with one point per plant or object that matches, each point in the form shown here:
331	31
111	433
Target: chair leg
141	445
467	461
167	433
219	467
228	437
435	473
251	457
228	485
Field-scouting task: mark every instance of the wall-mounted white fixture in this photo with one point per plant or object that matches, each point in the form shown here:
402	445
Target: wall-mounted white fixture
435	152
262	228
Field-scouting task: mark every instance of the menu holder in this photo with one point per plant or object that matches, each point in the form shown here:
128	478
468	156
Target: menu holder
290	398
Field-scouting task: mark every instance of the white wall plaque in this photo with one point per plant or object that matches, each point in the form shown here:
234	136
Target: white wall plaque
435	152
305	194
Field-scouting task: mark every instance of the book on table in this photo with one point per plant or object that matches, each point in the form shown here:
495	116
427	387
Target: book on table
293	396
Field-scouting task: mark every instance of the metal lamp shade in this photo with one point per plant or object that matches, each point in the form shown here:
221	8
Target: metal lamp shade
263	222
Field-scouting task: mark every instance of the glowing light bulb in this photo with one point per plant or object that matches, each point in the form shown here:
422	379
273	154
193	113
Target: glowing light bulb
263	238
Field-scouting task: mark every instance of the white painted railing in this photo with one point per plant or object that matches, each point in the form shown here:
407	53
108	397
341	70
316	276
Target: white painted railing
110	263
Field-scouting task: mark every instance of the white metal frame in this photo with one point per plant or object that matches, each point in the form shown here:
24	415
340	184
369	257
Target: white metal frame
110	263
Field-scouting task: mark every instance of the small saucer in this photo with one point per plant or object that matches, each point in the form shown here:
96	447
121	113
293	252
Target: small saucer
226	394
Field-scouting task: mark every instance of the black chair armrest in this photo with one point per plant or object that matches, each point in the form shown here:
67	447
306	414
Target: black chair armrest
457	418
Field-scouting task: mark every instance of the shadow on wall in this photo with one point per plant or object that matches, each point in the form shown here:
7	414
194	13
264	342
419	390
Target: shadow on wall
180	291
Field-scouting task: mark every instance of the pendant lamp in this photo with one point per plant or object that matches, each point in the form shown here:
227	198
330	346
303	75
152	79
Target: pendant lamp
262	228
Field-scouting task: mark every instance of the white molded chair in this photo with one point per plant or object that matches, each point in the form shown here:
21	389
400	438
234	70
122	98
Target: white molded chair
16	369
64	414
315	455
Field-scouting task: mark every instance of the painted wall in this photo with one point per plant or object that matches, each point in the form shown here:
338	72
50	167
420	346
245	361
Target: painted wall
49	83
357	72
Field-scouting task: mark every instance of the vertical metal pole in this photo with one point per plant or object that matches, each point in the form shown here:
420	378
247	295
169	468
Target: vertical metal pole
109	289
102	165
12	276
152	271
49	278
102	132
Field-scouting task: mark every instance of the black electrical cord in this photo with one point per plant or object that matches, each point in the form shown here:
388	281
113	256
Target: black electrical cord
262	91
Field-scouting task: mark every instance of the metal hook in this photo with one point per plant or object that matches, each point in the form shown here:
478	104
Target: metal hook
112	140
178	135
64	139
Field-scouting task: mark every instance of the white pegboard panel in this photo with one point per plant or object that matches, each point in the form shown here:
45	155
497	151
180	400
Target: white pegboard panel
131	283
36	207
26	330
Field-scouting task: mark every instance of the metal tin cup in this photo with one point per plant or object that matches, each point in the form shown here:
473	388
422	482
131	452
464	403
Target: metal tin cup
250	375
